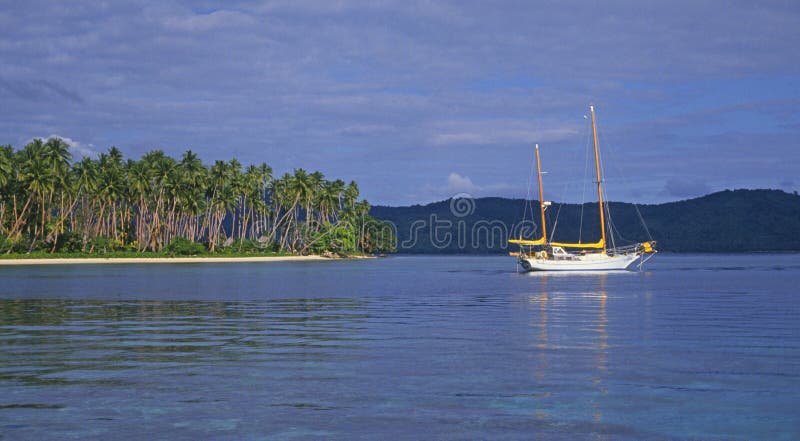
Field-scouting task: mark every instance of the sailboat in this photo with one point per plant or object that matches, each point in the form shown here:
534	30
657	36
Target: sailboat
595	256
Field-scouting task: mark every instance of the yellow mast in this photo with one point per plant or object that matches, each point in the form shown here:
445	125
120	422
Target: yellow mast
541	194
542	240
599	182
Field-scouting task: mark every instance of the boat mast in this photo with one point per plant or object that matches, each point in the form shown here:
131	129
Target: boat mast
541	194
599	181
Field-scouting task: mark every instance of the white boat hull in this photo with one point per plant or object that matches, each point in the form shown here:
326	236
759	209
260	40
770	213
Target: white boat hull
587	262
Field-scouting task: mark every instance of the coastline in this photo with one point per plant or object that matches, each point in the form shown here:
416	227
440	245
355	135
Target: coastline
198	259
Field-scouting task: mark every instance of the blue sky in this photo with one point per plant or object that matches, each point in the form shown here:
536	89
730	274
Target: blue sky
420	100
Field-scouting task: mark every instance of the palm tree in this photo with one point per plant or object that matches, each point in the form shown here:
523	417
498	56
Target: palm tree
351	194
37	177
251	190
315	183
192	168
7	175
115	156
194	176
6	164
156	199
218	177
264	173
236	183
283	205
111	190
361	210
57	153
85	183
302	188
328	199
139	187
163	169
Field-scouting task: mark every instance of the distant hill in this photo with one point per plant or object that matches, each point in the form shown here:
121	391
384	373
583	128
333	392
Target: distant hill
727	221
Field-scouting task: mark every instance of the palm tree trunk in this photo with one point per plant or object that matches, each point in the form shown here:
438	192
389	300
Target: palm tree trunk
43	213
13	233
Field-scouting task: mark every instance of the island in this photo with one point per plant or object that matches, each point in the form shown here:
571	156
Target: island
157	208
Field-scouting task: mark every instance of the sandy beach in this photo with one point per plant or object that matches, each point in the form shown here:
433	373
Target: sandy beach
99	260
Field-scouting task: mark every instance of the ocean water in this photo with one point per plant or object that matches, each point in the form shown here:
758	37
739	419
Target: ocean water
695	347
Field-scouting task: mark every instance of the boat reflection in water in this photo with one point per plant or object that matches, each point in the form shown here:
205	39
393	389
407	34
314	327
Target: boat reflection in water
571	344
601	348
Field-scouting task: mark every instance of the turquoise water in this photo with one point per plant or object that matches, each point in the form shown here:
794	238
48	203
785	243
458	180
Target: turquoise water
696	347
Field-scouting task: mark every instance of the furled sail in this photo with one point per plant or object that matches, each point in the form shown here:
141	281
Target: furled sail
599	245
541	241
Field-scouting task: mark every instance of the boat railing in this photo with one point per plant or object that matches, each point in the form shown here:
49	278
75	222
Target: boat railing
628	249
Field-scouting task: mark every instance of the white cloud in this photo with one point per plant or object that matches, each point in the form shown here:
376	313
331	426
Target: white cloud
75	147
457	183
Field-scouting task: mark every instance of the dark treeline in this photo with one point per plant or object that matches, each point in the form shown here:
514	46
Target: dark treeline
48	202
726	221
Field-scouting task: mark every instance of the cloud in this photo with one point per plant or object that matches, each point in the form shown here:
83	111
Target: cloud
75	147
457	183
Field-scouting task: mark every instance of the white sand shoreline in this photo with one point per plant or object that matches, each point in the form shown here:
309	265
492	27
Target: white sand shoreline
113	260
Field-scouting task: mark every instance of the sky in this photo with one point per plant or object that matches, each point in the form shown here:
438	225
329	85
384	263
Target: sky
418	101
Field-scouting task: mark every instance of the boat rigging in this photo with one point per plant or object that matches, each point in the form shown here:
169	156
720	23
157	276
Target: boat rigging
553	256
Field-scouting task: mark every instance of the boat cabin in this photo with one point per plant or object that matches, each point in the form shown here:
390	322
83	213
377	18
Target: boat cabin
561	254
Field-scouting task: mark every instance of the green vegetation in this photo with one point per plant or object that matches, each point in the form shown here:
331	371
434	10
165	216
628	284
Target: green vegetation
161	206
